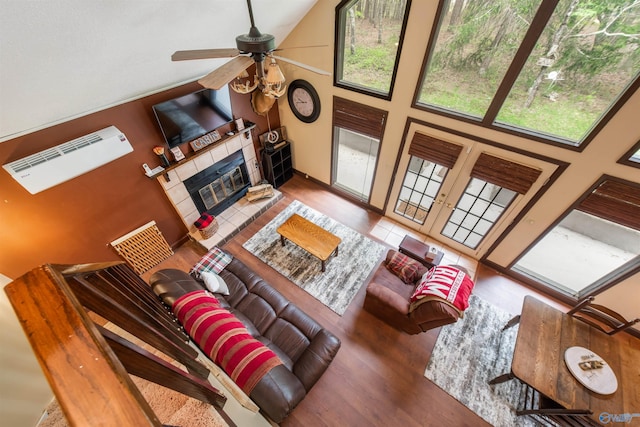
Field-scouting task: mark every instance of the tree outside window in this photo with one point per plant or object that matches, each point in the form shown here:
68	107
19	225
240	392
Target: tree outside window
548	68
368	43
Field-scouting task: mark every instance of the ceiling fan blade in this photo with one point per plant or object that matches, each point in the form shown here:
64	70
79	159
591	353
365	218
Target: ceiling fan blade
224	74
186	55
301	65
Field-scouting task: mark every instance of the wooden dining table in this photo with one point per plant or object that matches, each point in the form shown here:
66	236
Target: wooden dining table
545	333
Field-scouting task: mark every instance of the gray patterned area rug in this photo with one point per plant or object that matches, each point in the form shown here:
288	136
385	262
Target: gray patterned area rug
345	273
470	353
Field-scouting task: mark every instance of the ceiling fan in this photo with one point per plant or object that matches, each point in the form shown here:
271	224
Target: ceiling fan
255	47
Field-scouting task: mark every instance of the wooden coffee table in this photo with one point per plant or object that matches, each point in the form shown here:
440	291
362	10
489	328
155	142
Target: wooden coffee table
310	237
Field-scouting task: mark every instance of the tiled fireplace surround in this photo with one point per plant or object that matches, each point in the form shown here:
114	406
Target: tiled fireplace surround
236	217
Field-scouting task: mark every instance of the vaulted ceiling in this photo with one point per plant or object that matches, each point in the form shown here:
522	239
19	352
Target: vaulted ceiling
61	59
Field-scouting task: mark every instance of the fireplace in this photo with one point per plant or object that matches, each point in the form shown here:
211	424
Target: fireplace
220	185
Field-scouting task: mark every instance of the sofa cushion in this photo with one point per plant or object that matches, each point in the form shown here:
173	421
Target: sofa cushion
447	283
407	269
215	260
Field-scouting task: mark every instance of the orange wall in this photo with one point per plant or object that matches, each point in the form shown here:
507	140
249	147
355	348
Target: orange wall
75	221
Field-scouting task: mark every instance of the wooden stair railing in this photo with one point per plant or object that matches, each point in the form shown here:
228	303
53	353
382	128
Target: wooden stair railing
88	366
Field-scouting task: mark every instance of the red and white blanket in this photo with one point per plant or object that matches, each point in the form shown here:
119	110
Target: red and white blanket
445	282
222	337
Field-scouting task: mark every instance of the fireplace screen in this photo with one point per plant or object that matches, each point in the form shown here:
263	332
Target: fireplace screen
221	188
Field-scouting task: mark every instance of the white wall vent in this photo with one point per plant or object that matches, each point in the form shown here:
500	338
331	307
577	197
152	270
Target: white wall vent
66	161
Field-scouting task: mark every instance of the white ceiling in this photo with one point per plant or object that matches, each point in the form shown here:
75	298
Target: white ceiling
61	59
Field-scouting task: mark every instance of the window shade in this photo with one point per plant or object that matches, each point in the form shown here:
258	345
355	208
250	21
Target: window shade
358	117
434	150
616	201
506	174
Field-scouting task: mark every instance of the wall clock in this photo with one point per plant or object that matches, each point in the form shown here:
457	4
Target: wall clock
304	100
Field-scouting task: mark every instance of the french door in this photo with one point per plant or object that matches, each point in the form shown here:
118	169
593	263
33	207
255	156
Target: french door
461	192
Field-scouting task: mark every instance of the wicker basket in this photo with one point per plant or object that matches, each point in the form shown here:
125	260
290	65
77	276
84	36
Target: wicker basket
207	225
209	230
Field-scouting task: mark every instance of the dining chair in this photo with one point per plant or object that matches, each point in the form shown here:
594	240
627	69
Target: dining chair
548	413
600	317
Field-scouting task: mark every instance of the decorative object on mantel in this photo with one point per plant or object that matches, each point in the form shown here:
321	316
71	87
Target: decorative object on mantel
163	158
151	172
177	154
207	225
203	141
591	370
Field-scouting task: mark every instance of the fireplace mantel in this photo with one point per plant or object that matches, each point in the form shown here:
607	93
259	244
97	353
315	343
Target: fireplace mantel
193	154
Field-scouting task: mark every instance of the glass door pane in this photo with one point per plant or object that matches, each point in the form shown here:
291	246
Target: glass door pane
355	162
479	208
420	188
578	253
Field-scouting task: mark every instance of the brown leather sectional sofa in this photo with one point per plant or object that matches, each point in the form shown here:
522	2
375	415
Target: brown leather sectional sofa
304	346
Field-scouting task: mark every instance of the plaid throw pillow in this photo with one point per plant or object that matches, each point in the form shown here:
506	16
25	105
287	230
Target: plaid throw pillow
215	260
407	269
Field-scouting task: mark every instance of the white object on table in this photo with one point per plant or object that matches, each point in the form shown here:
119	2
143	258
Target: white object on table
600	380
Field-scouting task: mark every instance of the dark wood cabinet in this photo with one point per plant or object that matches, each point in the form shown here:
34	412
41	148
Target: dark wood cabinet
277	165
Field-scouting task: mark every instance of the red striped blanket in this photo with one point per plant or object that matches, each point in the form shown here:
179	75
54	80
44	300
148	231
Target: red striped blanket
222	337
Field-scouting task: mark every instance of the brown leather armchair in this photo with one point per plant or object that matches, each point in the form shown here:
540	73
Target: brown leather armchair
388	298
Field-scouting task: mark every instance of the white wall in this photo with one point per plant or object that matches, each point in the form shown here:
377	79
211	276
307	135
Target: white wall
24	391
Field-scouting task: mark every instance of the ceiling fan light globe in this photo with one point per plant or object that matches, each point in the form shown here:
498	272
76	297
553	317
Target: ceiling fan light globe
274	74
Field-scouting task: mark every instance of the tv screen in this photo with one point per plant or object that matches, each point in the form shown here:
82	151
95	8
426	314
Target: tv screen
189	117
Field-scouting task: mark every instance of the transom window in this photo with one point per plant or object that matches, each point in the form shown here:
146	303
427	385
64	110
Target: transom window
369	36
551	69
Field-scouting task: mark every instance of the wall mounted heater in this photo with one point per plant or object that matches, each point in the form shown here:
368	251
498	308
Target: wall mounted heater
66	161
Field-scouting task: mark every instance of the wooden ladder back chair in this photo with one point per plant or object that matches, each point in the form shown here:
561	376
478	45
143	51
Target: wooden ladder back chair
600	317
549	413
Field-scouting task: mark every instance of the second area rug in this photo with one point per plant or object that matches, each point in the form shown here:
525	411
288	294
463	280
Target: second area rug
470	353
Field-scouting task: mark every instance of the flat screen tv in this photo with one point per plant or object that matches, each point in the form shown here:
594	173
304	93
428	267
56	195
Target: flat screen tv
190	116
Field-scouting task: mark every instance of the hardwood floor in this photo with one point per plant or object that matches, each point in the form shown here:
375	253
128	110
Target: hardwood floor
377	377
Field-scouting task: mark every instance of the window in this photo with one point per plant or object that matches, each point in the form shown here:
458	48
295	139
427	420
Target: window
596	242
369	36
632	157
357	135
545	68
